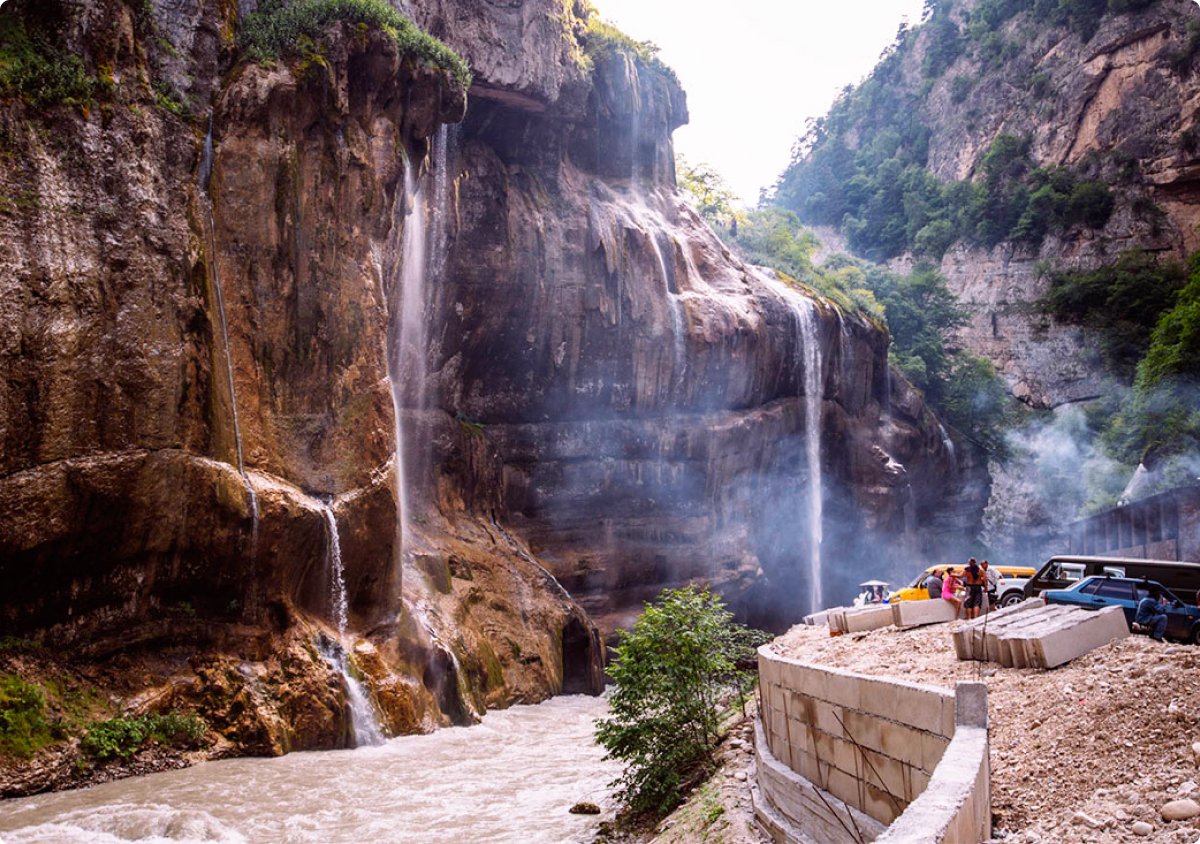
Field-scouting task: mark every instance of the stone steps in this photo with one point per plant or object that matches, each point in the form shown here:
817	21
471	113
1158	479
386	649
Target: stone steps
1033	634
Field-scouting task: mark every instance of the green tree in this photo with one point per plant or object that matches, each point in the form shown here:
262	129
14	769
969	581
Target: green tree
671	674
707	191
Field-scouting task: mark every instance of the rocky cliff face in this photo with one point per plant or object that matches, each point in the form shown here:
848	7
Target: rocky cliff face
215	330
1120	105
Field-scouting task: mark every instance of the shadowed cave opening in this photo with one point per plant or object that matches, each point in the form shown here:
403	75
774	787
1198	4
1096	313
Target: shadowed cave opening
576	659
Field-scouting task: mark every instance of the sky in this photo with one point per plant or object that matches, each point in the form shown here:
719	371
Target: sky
756	70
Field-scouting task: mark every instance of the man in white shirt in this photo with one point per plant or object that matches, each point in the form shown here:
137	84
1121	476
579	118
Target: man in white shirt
993	585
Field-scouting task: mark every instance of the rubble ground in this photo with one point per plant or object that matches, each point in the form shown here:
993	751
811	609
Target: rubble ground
1089	752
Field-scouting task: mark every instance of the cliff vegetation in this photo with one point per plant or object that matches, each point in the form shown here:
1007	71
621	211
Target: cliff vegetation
276	30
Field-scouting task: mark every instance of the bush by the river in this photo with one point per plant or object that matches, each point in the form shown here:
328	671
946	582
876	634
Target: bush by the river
674	674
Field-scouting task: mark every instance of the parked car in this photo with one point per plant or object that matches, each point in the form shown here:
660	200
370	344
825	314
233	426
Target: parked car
915	591
1099	591
1061	571
1011	591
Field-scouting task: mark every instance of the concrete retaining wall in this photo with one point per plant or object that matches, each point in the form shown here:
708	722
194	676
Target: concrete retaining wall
842	756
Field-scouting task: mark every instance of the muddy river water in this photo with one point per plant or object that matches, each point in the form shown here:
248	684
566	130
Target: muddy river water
511	778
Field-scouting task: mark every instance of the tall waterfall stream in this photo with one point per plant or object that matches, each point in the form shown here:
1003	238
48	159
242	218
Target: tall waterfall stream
511	778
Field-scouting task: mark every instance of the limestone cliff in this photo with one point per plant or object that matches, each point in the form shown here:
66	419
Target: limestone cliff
301	340
1111	96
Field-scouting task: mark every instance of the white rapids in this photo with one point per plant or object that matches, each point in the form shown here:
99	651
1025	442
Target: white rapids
511	778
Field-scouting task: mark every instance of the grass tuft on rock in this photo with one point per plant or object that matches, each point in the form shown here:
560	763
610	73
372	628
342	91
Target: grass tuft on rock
276	30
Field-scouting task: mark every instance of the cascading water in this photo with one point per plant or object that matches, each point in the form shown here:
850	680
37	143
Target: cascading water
676	307
363	718
406	364
204	177
948	443
805	311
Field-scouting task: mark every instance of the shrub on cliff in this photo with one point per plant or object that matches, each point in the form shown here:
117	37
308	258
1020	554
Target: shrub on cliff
23	725
671	675
41	73
276	30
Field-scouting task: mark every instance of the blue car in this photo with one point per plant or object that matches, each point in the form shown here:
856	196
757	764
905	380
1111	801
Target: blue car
1099	591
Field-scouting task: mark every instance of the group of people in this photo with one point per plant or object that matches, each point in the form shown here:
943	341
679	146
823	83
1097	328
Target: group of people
978	580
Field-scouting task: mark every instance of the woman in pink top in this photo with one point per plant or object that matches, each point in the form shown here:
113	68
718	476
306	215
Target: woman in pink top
950	582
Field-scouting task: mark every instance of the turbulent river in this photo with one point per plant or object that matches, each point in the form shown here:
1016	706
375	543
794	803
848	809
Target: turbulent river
511	778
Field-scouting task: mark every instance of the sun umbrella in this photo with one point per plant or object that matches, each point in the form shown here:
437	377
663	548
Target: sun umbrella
874	583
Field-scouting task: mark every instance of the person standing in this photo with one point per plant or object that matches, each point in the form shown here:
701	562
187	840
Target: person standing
973	578
992	582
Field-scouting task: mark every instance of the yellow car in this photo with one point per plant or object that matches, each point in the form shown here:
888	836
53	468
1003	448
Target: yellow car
916	590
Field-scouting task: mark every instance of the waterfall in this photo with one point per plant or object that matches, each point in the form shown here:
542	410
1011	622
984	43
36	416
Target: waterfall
810	343
670	289
337	574
406	365
948	443
204	177
363	717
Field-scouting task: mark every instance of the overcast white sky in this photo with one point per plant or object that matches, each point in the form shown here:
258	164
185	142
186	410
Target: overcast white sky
755	70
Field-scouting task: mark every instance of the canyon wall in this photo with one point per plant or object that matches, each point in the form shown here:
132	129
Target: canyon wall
1119	104
212	339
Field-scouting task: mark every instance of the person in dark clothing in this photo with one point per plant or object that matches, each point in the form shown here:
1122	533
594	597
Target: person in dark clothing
1150	614
973	578
933	585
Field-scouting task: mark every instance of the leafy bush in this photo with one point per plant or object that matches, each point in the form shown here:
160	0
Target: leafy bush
671	674
41	73
123	737
276	30
1122	303
23	725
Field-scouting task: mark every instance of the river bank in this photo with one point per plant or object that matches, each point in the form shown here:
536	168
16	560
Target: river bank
1082	753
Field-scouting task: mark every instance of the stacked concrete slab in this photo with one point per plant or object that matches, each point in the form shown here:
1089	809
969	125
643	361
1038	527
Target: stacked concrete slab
901	614
1033	634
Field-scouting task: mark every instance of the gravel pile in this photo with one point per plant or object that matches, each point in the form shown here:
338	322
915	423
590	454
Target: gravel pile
1103	749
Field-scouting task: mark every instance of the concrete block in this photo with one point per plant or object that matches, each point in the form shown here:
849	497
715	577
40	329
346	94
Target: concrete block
868	618
902	743
971	704
933	747
847	788
863	728
911	613
1068	643
908	703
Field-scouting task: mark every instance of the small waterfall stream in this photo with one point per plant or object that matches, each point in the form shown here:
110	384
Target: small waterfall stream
813	399
204	178
363	717
804	311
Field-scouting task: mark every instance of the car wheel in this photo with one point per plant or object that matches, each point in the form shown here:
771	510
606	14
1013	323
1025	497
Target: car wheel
1011	598
1194	638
